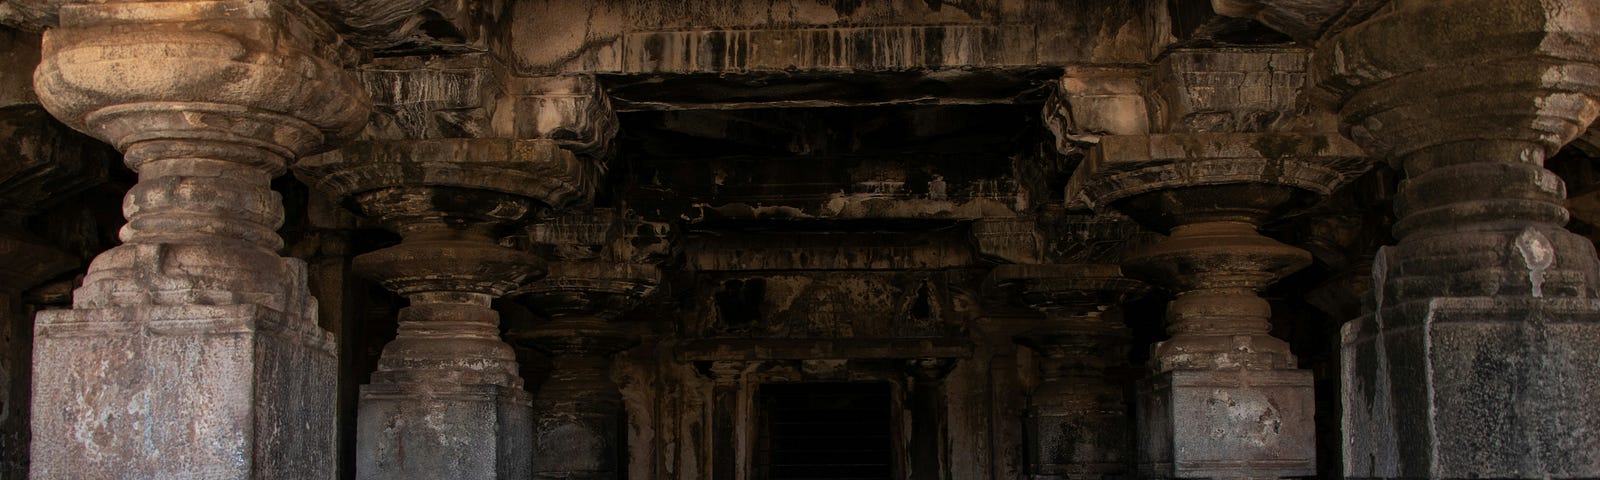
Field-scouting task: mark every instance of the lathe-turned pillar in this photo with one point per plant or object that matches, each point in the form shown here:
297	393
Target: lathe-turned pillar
601	275
1225	399
578	410
192	350
1479	360
446	400
1077	423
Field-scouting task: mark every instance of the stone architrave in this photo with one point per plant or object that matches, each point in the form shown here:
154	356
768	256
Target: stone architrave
1225	399
1077	423
578	410
192	350
446	400
1479	359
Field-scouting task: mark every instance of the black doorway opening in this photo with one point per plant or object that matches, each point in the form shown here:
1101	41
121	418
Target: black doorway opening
836	431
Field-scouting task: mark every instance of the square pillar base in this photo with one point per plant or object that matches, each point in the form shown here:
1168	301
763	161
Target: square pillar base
1473	387
1078	444
224	392
442	431
1227	424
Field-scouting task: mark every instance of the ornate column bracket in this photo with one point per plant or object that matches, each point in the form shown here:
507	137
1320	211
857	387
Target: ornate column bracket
1234	160
606	270
1470	110
207	101
1077	417
446	400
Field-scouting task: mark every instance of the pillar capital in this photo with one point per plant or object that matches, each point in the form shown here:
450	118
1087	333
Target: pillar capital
161	80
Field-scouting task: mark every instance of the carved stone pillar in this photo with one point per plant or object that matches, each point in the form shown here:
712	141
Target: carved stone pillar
726	381
192	350
446	400
578	411
1479	361
1077	423
928	450
1225	399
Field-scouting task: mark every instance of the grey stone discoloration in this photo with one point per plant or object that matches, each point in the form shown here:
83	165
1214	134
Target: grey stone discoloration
1469	366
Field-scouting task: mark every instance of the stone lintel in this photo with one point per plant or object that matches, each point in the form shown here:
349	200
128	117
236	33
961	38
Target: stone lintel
1227	424
800	349
257	397
1473	387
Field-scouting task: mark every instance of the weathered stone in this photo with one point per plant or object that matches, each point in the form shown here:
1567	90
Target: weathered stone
578	410
1469	365
446	399
196	300
1077	418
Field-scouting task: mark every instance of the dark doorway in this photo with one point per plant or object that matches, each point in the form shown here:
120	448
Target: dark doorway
833	431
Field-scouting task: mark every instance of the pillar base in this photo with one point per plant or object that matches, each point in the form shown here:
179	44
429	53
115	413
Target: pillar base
1078	444
228	392
1473	387
1227	424
442	431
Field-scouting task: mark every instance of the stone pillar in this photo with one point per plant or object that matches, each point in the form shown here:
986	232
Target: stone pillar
929	445
192	350
578	412
1077	423
726	379
446	400
1225	399
1479	360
